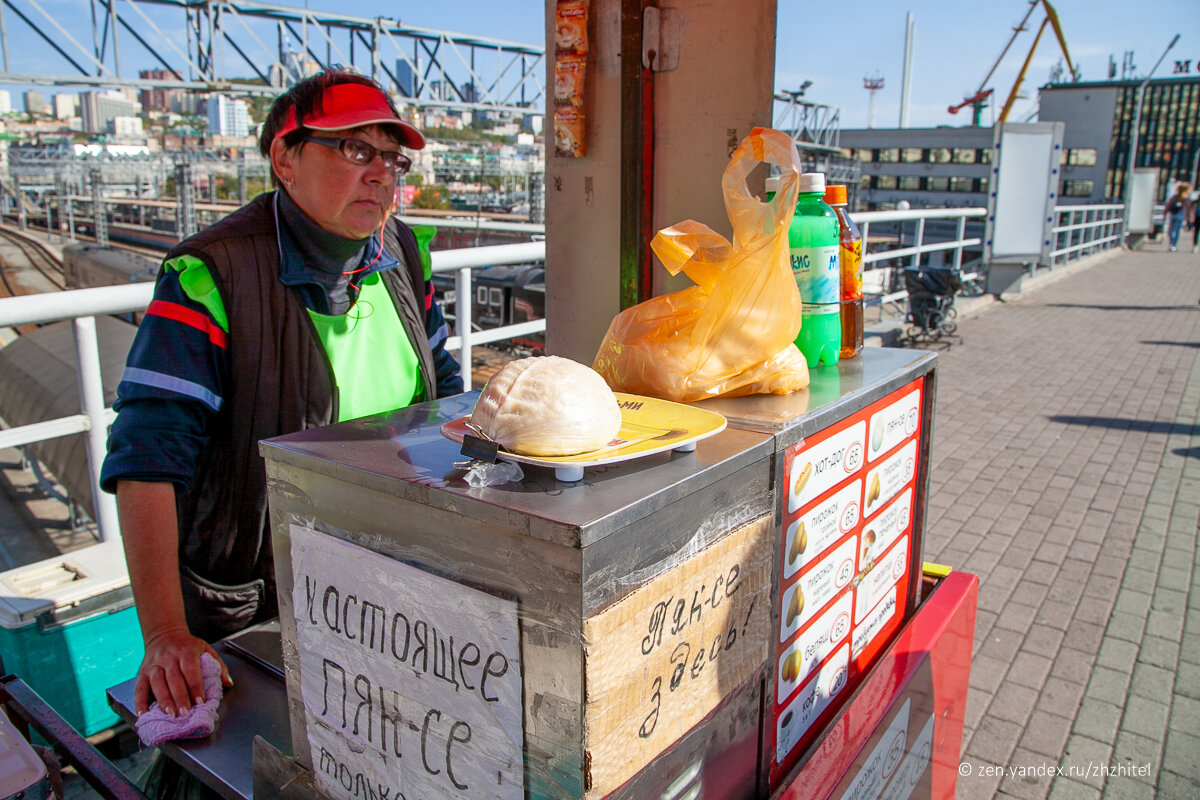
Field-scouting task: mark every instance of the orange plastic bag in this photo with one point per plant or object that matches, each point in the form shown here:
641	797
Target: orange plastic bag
732	333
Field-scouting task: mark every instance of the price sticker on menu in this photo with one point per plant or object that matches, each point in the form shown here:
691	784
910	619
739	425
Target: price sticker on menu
798	661
881	577
817	469
820	527
886	527
803	599
893	424
813	699
887	479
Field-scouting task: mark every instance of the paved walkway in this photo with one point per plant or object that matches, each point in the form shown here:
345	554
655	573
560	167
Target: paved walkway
1066	475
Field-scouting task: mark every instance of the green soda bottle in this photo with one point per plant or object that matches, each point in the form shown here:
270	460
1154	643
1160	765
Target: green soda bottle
814	239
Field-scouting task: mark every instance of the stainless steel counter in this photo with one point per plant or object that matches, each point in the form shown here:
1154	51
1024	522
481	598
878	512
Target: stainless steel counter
403	454
256	705
833	393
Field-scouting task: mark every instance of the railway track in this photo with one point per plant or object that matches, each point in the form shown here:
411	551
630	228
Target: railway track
26	267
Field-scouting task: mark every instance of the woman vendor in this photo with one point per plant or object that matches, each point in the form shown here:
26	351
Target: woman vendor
307	306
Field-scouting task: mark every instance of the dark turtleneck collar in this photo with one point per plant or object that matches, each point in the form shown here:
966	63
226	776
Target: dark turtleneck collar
317	247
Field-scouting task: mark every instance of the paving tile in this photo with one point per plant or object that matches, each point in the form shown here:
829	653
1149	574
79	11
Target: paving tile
1182	753
1084	636
1017	617
1082	752
1144	716
1072	665
1013	703
1042	640
1151	681
1185	713
1028	776
994	741
1118	788
1064	789
1175	786
1046	734
1061	696
1133	753
1098	719
1126	626
1133	602
1108	685
1159	652
1187	680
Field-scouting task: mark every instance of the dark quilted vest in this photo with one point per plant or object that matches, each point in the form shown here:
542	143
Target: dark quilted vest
280	381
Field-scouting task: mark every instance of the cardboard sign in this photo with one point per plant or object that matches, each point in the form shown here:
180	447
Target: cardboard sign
411	683
660	659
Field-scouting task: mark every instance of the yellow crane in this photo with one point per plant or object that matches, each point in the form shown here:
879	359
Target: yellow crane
981	94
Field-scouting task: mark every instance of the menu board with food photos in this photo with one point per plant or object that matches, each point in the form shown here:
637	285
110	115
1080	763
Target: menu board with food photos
570	70
847	560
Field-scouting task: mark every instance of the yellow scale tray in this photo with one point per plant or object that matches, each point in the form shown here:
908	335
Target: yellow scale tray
648	426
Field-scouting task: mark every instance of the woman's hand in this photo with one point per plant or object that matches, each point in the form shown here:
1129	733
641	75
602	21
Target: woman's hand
170	673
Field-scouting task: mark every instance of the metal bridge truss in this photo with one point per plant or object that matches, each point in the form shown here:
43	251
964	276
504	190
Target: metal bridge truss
816	129
245	47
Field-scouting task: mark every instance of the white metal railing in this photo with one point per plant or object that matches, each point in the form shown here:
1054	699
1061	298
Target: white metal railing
1095	226
1082	230
919	246
84	305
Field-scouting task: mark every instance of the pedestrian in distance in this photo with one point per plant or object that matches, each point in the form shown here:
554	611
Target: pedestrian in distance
1178	208
307	306
1194	220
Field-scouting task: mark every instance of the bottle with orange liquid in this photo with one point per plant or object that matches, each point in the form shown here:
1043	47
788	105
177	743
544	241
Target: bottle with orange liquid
850	251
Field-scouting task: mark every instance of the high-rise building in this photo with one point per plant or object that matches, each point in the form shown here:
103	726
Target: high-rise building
157	99
97	110
5	101
35	102
406	78
1099	117
228	117
66	105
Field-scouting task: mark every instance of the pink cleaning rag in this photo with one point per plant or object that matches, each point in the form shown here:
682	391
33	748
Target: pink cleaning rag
155	726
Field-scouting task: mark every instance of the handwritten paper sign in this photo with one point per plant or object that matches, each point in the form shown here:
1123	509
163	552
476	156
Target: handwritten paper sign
659	660
411	683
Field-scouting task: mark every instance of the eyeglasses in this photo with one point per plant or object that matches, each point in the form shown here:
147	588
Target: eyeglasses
361	153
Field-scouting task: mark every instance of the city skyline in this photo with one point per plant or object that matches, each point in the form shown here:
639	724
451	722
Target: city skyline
813	43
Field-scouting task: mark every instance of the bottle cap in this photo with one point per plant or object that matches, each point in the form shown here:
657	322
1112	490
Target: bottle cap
835	195
771	184
812	182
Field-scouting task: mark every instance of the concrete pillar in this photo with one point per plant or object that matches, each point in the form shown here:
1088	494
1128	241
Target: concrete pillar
720	89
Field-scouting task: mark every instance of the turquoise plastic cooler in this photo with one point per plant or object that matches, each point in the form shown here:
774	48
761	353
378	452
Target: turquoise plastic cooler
68	629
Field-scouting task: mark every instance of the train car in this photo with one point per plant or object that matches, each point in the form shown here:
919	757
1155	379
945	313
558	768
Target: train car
503	296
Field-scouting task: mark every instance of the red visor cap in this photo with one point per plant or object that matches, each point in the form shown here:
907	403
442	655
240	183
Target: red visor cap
352	105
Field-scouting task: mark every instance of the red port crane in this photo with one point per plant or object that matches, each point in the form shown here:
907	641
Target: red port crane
976	101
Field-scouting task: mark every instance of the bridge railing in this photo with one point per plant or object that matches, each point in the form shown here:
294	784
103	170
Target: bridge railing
84	305
1083	230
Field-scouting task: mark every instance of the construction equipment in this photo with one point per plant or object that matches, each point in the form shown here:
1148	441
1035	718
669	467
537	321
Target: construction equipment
977	100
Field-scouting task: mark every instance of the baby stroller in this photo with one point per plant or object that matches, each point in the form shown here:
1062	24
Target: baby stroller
931	310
